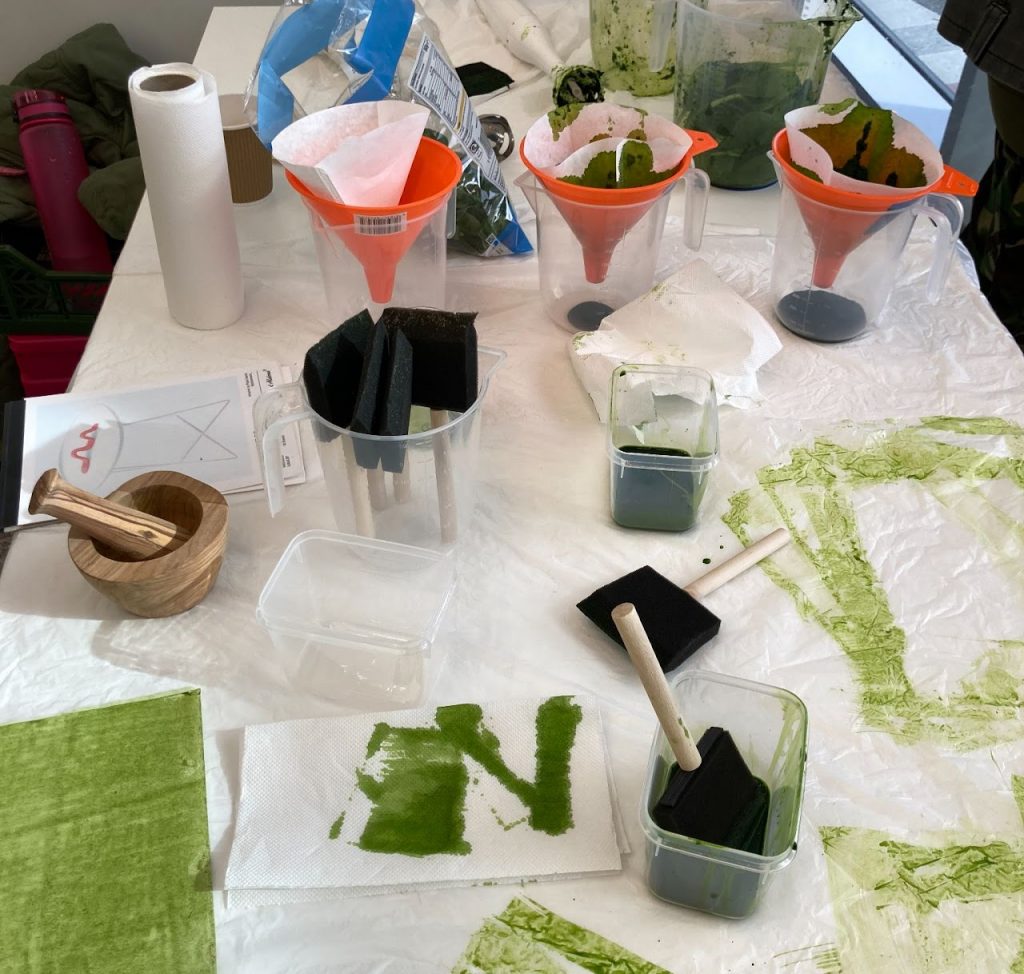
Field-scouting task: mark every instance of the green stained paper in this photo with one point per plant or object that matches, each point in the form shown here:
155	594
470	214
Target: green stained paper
528	937
860	146
104	843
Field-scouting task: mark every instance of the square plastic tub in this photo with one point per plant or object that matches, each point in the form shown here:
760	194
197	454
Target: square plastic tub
354	619
662	444
769	726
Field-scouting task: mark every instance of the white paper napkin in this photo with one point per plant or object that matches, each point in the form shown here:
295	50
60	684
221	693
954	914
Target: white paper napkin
307	819
359	155
690	318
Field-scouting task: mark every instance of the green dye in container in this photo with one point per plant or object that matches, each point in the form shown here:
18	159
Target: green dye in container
664	496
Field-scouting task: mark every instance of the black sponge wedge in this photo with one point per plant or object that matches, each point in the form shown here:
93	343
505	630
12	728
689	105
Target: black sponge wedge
334	366
444	349
676	622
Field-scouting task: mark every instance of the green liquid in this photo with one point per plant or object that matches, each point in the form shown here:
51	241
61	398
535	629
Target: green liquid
656	500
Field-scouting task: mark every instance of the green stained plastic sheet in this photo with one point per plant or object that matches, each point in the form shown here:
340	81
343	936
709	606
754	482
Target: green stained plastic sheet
529	937
104	844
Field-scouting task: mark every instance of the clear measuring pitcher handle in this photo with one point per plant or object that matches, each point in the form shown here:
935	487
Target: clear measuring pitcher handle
272	412
662	12
698	186
947	213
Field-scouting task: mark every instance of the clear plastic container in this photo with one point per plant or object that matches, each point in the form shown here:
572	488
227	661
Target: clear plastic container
597	249
662	444
769	727
354	619
834	266
418	489
632	44
740	66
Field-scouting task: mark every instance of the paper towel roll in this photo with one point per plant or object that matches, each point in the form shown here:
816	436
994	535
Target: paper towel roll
177	119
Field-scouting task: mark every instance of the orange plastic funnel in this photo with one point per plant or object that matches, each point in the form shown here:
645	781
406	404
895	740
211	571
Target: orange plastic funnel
847	218
600	218
379	236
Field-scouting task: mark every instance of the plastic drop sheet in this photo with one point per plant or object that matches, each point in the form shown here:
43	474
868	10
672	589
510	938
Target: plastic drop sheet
895	613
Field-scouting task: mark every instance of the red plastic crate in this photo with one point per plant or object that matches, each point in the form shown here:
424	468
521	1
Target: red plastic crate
46	362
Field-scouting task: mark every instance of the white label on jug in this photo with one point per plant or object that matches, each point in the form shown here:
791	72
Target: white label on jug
436	83
379	226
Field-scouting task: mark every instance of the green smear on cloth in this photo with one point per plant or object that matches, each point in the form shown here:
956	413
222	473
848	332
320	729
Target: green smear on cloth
528	937
860	146
104	843
955	906
1018	793
836	586
419	786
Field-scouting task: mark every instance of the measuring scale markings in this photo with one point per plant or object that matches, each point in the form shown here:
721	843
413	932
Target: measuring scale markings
837	587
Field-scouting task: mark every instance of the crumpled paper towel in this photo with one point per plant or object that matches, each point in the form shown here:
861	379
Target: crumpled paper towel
359	155
305	813
690	318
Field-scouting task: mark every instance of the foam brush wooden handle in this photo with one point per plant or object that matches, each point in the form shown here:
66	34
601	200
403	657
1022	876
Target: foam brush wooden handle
125	529
738	564
634	636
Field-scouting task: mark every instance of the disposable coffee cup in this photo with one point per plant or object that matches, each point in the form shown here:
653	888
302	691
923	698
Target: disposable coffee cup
249	162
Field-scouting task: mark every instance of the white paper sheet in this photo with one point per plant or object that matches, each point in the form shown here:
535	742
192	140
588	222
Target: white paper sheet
202	427
319	804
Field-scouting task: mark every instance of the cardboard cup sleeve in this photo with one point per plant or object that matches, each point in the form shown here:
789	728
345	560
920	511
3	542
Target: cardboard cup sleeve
249	162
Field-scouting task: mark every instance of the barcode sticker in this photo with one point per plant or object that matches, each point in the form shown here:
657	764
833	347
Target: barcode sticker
380	226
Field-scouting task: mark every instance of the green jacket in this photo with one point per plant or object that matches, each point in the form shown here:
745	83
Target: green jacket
91	71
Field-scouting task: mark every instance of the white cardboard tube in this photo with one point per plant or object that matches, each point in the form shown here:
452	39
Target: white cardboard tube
177	120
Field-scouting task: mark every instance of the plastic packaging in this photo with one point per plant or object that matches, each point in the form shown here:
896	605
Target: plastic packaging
769	726
354	619
662	444
55	162
337	51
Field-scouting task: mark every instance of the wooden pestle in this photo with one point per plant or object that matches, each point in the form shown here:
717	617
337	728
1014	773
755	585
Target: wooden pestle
126	530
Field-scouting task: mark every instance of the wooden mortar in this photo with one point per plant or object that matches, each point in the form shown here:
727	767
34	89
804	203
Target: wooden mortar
179	575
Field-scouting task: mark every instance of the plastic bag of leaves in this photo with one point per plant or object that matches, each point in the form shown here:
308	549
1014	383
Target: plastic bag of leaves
324	53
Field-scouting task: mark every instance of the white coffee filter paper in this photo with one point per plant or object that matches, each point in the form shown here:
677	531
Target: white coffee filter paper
690	318
299	780
359	155
177	118
602	127
804	151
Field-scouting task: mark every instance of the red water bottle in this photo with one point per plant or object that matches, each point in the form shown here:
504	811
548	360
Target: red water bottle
56	166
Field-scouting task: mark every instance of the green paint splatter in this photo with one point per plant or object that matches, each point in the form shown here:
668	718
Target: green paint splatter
419	786
528	937
336	827
956	907
507	826
1017	782
837	587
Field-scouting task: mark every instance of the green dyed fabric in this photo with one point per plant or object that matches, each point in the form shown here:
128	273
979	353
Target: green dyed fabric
526	936
104	844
